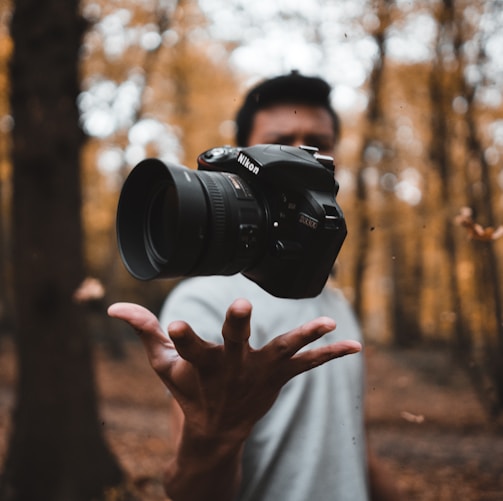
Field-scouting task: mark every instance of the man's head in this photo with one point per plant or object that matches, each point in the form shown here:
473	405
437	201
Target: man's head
290	109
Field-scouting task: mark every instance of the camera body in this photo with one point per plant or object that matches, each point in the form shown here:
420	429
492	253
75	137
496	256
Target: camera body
266	211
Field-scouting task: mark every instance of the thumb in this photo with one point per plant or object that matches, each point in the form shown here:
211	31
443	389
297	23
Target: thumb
144	322
135	315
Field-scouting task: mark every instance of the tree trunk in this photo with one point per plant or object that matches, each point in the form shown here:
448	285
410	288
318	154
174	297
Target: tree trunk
441	96
57	450
407	274
487	265
5	291
364	225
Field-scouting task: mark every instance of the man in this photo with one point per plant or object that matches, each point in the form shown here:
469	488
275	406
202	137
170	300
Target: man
263	415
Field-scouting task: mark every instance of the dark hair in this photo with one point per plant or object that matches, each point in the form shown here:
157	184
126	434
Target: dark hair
293	88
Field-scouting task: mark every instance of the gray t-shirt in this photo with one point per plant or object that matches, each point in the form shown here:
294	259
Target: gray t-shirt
310	446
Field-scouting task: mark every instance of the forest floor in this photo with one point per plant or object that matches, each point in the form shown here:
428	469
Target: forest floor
424	419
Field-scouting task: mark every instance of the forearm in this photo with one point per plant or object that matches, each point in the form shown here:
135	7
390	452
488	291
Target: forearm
204	469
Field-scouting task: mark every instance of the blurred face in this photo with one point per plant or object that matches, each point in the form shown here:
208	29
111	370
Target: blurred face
294	125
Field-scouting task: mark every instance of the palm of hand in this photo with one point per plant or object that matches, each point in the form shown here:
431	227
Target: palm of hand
225	389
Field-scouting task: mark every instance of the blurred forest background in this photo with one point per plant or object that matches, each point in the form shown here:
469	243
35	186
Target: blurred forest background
418	85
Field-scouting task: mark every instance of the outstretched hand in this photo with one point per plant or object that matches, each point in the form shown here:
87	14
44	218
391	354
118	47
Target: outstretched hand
225	389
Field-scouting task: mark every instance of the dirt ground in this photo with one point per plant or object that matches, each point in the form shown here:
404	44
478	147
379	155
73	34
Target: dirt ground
425	423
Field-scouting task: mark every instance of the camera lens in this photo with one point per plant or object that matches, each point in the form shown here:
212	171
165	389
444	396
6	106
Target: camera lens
173	221
161	214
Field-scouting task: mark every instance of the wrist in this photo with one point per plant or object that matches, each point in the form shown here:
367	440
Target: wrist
201	444
204	467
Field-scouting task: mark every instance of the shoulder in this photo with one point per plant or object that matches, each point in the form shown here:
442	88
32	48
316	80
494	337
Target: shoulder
341	311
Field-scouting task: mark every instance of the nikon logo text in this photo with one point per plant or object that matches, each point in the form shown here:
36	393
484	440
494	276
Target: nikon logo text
247	163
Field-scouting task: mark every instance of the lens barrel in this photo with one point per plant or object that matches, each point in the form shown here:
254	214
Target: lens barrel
173	221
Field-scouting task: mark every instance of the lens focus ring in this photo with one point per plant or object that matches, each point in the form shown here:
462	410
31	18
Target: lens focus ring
219	215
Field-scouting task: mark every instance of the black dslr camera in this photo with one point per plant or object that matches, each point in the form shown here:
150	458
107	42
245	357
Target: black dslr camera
266	211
